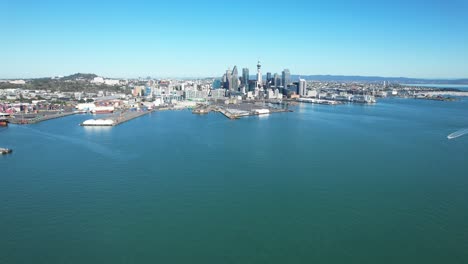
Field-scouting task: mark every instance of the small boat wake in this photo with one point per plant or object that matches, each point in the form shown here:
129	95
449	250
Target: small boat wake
458	133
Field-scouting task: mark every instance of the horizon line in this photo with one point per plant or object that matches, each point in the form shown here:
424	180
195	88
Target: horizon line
209	77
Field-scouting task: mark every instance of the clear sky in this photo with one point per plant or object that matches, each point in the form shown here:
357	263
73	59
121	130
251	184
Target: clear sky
174	38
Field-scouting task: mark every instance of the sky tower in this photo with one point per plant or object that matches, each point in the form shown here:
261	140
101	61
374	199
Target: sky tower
259	75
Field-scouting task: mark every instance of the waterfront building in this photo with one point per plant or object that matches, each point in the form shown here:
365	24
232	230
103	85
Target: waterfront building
293	88
286	77
302	87
312	93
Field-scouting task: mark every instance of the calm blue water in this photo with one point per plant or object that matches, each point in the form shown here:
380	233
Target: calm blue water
343	184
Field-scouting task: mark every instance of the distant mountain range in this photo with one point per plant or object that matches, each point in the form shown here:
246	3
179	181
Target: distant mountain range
343	78
322	78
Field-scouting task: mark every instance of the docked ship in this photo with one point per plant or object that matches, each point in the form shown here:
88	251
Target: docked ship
103	110
4	119
5	151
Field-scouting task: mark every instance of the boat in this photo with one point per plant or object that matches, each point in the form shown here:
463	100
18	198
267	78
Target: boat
98	122
458	133
5	151
4	119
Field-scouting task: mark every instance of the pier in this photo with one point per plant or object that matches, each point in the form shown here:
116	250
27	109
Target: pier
319	101
116	119
26	119
236	111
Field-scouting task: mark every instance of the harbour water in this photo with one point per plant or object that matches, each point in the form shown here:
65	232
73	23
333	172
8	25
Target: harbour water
326	184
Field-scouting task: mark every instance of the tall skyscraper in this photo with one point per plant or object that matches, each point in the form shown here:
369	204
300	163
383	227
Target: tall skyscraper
228	84
286	77
277	80
302	87
235	80
259	75
245	77
268	79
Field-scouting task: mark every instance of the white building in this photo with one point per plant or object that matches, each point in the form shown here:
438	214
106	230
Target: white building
302	87
85	107
17	82
111	82
98	80
218	93
312	93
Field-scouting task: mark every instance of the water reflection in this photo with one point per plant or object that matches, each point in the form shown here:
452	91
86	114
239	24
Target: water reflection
97	129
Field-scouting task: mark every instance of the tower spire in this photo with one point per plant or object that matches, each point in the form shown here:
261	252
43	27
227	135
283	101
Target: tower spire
259	75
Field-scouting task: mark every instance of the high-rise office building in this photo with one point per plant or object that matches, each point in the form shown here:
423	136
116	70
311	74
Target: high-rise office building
228	80
302	87
268	79
277	80
245	77
235	80
286	77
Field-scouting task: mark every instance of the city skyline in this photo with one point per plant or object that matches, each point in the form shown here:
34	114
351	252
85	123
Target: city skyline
182	39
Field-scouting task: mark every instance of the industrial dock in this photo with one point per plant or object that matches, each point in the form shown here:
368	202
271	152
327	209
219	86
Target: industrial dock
116	119
236	111
27	119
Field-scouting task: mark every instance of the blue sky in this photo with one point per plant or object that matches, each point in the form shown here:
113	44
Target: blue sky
426	39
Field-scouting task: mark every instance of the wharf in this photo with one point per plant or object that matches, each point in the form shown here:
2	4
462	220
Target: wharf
436	98
36	118
237	111
227	113
127	116
116	119
319	101
442	93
